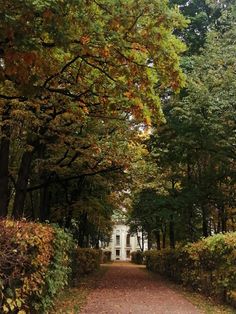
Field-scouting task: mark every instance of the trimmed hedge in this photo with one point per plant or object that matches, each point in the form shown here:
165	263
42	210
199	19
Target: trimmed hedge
208	266
106	257
85	261
36	262
137	257
34	265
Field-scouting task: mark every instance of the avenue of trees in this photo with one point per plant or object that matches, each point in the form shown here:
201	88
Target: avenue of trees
119	104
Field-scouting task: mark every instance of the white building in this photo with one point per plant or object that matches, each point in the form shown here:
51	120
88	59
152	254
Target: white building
122	244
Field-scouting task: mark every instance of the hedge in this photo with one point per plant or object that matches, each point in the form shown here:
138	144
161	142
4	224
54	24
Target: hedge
137	257
208	266
36	262
34	265
106	257
85	261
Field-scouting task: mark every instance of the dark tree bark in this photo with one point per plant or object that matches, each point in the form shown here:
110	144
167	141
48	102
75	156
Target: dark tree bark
164	236
158	239
204	222
142	240
44	203
4	162
82	229
74	196
224	219
172	232
21	184
139	242
149	241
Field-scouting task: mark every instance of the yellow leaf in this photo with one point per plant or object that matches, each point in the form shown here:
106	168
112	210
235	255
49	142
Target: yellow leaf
5	309
12	306
9	301
18	303
21	312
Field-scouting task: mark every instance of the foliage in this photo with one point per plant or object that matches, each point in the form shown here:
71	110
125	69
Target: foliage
137	257
106	256
195	149
85	261
207	265
59	271
77	79
34	265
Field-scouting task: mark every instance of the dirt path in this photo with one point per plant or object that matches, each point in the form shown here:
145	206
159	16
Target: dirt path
127	288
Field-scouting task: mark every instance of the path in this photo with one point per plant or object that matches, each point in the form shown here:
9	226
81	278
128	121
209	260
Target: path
127	288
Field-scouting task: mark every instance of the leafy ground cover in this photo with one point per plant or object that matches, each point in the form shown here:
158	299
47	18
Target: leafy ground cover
206	304
72	299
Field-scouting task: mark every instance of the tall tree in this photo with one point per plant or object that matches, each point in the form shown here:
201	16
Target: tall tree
82	74
196	145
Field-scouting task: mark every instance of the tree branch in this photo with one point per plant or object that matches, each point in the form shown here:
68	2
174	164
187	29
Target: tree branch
58	180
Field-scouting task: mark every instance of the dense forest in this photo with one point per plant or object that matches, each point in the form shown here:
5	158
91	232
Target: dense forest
113	105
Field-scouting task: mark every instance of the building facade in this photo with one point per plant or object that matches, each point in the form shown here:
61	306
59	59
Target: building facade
122	243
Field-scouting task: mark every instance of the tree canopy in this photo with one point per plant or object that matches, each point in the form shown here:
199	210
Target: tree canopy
77	80
119	104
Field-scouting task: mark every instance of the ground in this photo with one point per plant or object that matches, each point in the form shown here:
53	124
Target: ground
130	289
124	288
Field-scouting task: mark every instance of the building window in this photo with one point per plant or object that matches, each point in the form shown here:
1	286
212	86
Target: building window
117	239
128	253
118	253
128	240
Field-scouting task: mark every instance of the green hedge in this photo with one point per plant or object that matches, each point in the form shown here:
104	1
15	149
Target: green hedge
137	257
208	266
34	265
85	261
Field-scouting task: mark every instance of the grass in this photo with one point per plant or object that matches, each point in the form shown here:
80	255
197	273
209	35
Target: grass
71	300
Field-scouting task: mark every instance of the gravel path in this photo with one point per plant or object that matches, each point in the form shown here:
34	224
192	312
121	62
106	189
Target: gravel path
127	288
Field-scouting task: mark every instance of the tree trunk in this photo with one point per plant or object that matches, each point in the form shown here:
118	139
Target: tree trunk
223	219
82	229
4	163
21	184
149	241
158	239
138	239
44	204
142	241
204	222
164	236
172	233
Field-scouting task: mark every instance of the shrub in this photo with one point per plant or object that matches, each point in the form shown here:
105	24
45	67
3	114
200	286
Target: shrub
85	261
208	266
34	265
137	257
59	271
106	257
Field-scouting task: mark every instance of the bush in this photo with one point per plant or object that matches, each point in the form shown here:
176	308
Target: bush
137	257
85	261
106	257
34	265
59	271
208	266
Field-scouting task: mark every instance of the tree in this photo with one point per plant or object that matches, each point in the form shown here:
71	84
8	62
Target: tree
195	148
73	91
